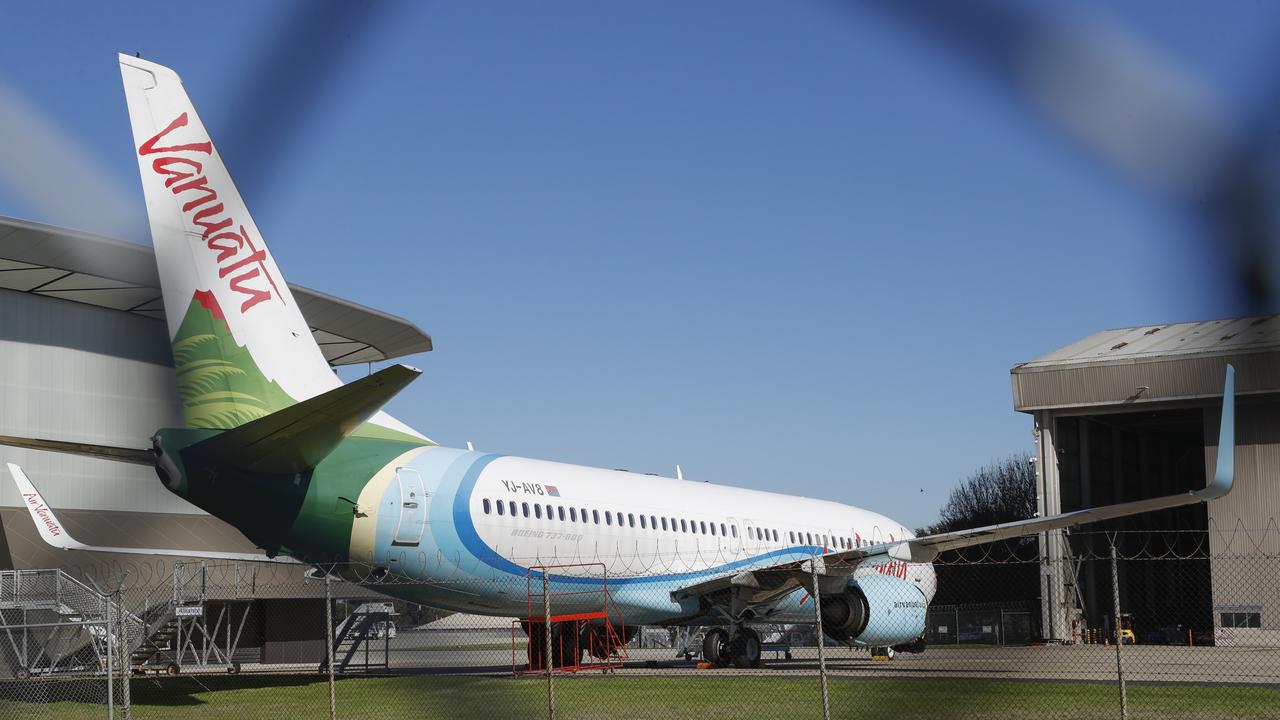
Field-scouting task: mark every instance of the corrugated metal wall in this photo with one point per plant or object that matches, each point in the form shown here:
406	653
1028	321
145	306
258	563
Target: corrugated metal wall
1247	522
78	372
1113	384
1254	502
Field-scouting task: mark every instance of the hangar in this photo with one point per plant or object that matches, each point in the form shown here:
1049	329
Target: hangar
84	356
1132	413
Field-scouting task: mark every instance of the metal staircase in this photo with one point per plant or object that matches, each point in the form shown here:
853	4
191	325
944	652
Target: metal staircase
181	631
369	622
52	623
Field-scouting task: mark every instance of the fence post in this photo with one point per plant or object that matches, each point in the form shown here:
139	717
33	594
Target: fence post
328	643
109	629
822	648
546	623
126	667
1115	603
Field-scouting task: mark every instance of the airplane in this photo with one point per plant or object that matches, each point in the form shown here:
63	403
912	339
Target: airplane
312	471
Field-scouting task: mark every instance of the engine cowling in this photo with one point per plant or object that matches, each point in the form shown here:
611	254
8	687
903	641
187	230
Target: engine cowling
877	610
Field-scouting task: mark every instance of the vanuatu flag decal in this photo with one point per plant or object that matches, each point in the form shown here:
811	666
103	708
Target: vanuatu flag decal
552	491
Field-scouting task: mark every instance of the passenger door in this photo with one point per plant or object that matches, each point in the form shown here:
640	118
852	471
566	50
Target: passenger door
413	507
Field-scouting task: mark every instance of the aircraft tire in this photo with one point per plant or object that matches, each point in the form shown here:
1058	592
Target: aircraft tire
744	649
715	647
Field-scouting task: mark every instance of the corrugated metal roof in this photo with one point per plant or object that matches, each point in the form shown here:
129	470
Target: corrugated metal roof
95	270
1152	364
1211	337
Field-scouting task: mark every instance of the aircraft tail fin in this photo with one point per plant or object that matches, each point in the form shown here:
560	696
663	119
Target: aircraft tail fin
298	437
241	347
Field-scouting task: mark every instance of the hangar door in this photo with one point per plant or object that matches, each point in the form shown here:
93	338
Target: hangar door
1111	458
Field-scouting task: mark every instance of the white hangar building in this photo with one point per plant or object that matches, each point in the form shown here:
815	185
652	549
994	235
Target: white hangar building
1133	413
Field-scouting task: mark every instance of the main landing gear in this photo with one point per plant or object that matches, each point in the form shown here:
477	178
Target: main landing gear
739	647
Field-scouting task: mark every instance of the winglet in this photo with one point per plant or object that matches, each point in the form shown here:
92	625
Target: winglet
1225	472
47	524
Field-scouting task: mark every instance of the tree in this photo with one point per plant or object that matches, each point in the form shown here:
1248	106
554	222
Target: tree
1002	491
1004	573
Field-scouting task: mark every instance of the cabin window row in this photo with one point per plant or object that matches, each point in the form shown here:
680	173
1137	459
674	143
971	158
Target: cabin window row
539	511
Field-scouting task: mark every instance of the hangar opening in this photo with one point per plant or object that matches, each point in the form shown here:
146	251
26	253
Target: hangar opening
1112	458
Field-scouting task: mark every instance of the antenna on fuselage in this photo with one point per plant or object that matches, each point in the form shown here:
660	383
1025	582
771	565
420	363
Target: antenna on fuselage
470	446
679	473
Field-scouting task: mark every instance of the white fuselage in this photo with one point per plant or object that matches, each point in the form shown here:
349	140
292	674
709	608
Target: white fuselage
490	518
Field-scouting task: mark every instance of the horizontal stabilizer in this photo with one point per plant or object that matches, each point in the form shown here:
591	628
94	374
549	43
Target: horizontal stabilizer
54	533
297	438
105	452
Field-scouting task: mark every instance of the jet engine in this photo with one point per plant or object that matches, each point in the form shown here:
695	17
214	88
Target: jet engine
877	610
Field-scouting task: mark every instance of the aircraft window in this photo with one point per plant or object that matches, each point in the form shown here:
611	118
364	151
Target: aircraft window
511	506
792	534
486	506
775	535
573	514
551	515
683	527
643	525
713	528
704	527
584	514
608	517
537	511
501	507
723	529
664	523
595	516
631	519
825	543
560	512
653	522
808	539
524	507
734	529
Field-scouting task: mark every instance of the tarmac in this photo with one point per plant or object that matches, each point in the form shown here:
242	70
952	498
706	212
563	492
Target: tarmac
1062	663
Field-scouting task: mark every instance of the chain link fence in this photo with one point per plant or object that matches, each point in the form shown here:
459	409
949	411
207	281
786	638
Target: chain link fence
1175	625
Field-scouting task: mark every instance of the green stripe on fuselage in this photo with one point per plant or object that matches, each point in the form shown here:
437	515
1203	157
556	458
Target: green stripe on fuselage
322	529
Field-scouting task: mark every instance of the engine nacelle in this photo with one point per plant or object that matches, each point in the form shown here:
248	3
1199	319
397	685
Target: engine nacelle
877	610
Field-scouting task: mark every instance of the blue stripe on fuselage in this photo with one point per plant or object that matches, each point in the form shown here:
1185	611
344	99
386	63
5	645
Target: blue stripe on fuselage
459	470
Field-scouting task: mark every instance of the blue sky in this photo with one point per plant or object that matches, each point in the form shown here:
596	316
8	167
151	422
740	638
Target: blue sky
790	246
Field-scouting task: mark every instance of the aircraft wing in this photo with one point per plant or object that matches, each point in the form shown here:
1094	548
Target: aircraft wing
764	585
52	531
